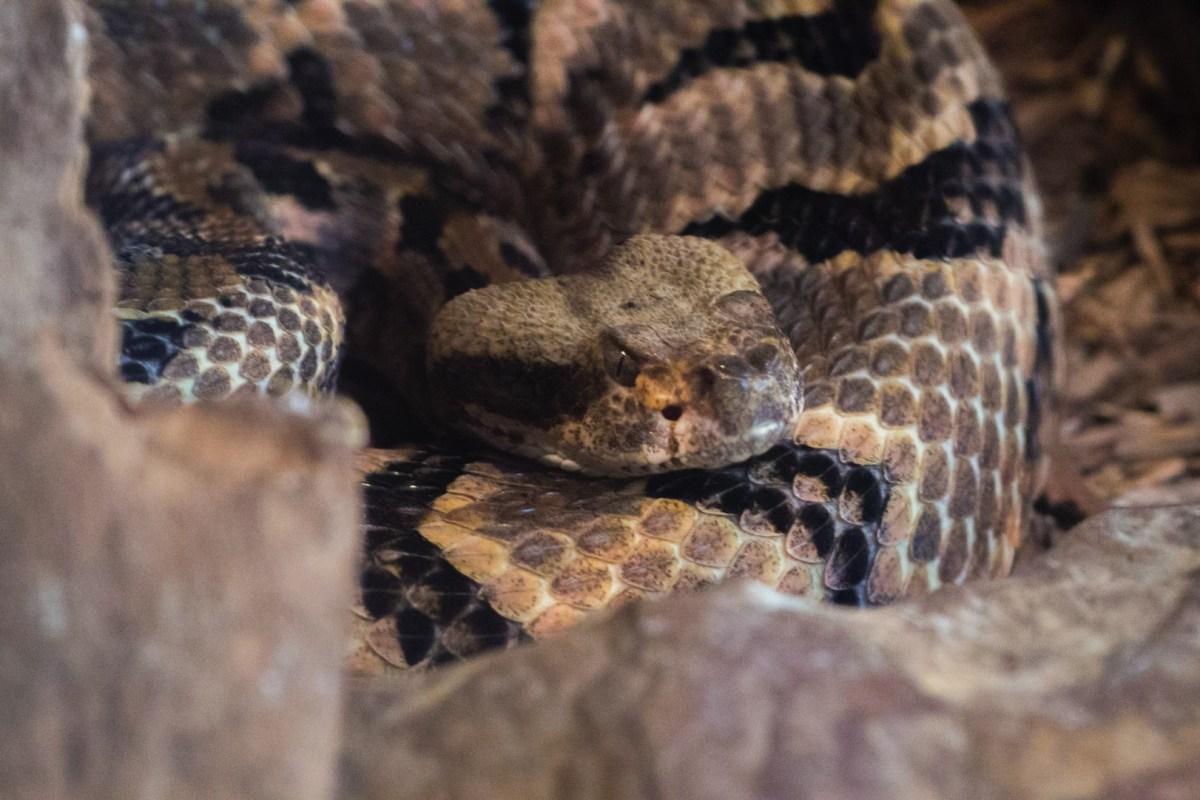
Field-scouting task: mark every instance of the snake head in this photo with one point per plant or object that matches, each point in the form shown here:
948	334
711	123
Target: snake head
666	356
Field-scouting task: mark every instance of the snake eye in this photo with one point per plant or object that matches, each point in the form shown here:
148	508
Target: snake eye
620	364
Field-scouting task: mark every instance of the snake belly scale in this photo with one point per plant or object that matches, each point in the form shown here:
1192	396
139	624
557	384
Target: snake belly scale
302	191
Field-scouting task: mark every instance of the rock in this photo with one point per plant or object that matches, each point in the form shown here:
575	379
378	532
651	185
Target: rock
1079	676
172	587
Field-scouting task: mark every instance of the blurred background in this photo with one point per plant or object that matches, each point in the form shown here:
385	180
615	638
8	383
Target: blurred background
1107	95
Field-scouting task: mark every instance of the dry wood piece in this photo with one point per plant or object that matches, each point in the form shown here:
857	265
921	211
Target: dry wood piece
172	588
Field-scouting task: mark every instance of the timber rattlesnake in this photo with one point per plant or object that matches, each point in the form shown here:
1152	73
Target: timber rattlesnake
253	160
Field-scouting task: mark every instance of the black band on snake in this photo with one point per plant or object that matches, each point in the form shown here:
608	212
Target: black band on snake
660	293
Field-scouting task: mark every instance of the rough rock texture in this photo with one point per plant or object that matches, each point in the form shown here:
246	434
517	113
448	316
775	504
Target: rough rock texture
171	587
1077	677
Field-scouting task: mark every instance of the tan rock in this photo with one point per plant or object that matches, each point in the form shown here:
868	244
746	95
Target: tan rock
172	587
1077	677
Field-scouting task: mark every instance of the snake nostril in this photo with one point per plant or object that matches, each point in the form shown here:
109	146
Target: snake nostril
672	412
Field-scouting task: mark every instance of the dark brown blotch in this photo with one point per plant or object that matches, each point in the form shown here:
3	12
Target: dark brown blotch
897	405
929	366
652	567
951	324
213	384
817	395
888	359
518	389
255	367
989	452
927	537
916	320
985	515
898	287
1013	398
308	366
542	553
183	365
710	543
967	435
856	395
281	382
954	555
933	285
230	322
983	332
289	320
877	324
935	420
260	334
312	332
852	359
991	392
935	475
289	348
964	494
196	336
964	377
261	307
224	349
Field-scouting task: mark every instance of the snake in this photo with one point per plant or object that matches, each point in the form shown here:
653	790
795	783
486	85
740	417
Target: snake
639	296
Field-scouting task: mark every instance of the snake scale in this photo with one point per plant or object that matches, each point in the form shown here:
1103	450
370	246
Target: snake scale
800	276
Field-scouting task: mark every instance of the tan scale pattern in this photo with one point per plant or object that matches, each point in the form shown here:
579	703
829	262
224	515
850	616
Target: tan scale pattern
261	340
548	548
906	104
923	372
244	334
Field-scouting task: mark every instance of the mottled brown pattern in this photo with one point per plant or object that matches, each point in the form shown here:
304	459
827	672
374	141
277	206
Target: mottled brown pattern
456	148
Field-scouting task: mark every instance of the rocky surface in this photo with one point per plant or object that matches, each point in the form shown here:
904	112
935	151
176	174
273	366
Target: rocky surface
1077	677
172	587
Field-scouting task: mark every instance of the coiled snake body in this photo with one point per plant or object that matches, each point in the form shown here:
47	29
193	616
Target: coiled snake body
262	165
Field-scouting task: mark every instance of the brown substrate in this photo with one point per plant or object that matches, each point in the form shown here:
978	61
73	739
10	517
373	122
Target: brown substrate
1107	96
